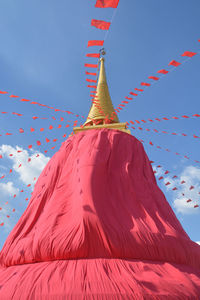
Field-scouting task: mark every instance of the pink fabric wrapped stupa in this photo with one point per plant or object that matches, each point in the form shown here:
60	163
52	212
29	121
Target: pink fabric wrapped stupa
98	227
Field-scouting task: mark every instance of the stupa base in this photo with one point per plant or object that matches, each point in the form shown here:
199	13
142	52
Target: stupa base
99	279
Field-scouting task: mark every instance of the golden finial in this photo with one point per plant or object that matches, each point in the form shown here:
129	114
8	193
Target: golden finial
102	113
102	110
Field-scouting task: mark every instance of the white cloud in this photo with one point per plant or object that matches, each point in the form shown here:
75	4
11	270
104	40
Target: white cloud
31	165
8	188
198	243
191	176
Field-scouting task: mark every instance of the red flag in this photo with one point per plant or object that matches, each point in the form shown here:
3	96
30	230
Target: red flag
95	43
134	94
30	146
163	71
89	73
21	130
174	63
107	3
168	183
100	24
188	53
93	55
50	127
145	84
38	143
174	189
25	100
91	66
92	86
91	80
1	92
140	90
94	92
47	140
153	77
32	129
196	205
14	96
128	98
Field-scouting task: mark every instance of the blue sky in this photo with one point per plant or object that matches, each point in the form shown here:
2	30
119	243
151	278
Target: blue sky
42	57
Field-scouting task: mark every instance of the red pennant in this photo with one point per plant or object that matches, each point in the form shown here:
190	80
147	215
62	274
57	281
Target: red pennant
154	77
38	143
32	129
30	146
50	127
174	189
174	63
107	3
91	66
14	96
59	126
134	94
140	90
188	54
168	183
93	55
41	129
196	205
21	130
145	84
47	140
89	73
163	71
91	80
95	43
92	86
100	24
25	100
128	98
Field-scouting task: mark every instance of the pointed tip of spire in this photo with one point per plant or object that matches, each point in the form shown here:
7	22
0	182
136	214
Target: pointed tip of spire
102	110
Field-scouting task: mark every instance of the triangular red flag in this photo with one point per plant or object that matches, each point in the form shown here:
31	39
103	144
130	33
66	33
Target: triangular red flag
95	43
107	3
188	53
100	24
163	71
93	55
174	63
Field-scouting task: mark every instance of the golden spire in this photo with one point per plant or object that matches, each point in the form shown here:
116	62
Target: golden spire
102	113
102	110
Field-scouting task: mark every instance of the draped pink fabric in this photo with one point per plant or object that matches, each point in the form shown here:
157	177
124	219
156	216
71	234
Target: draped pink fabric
98	227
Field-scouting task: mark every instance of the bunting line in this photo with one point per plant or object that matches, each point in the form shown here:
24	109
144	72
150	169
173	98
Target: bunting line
168	150
174	64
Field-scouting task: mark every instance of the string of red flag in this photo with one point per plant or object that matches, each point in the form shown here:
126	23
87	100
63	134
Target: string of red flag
194	116
36	103
165	132
168	150
173	63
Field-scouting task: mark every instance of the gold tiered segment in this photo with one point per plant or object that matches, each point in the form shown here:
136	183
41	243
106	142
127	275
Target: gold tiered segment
102	113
